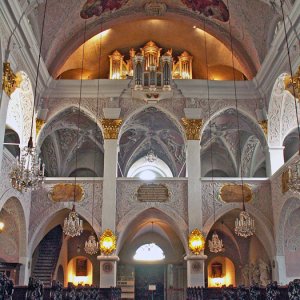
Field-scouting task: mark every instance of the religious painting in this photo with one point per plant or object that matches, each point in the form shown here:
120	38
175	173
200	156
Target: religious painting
97	7
215	9
64	192
81	267
216	270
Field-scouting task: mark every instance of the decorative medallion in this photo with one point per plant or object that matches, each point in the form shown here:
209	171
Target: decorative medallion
192	128
234	193
107	267
98	7
155	8
111	128
153	193
196	267
215	9
64	192
10	81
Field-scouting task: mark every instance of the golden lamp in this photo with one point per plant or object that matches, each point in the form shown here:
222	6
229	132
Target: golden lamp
1	226
196	241
108	242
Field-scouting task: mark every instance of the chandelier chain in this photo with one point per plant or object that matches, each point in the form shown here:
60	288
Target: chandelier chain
244	224
215	245
291	71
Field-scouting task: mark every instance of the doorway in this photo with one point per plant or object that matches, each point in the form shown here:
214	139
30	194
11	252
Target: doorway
149	282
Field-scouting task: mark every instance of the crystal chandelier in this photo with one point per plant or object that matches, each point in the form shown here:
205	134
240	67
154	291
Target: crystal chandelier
28	171
244	225
72	224
215	245
91	245
151	157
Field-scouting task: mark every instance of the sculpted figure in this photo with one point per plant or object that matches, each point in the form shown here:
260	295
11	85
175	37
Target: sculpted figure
246	273
264	270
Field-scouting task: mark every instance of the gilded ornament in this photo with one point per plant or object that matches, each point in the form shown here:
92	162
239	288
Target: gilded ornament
108	242
10	81
196	241
292	84
264	126
111	128
39	123
192	128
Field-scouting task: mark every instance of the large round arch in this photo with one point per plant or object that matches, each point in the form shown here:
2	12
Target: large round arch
152	129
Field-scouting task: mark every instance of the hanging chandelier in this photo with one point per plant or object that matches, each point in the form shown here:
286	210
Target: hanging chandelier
244	225
215	245
28	171
91	245
72	224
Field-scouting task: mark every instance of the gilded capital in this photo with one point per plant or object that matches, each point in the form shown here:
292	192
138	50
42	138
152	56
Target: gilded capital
111	128
10	81
192	128
264	126
39	123
292	84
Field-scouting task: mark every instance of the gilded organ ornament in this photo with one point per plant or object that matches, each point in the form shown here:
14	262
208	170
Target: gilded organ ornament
111	128
192	128
150	66
39	123
264	126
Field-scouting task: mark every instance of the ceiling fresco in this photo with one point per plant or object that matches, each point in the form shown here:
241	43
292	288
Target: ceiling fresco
209	8
65	31
97	7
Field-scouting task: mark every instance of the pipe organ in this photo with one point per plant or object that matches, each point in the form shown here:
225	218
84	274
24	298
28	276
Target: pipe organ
150	68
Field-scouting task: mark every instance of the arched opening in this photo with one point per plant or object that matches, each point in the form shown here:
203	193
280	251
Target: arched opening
220	271
60	274
242	260
291	145
59	140
13	239
152	255
80	271
12	142
292	244
151	140
220	151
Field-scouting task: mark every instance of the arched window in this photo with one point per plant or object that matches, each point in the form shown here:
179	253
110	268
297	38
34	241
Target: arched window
149	252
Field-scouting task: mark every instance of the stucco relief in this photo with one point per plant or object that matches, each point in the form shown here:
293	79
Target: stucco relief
42	206
247	155
289	120
259	200
275	112
127	198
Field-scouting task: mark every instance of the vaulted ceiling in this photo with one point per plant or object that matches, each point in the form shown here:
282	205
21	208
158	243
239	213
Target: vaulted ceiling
64	27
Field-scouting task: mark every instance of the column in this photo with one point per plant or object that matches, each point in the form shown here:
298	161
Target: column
108	264
279	271
195	263
274	159
25	269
